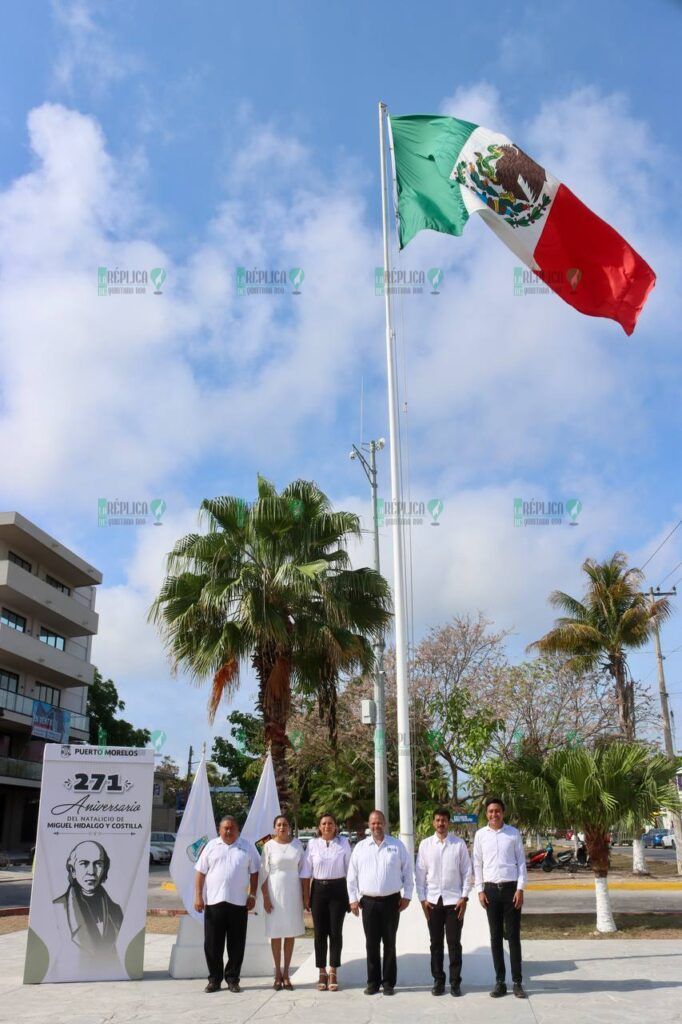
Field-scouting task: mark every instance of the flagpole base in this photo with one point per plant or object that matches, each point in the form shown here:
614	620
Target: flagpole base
187	958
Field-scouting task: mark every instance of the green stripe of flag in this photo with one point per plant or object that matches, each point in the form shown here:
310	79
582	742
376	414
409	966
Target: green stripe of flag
425	149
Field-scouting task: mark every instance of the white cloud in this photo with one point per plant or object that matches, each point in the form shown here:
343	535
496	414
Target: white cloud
86	52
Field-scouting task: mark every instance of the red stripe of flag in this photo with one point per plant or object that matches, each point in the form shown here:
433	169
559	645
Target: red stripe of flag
590	265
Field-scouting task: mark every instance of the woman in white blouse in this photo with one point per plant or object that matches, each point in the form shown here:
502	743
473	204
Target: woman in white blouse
328	859
284	878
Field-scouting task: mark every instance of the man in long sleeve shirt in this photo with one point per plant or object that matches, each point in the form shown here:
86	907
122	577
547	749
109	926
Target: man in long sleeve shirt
380	867
443	881
500	877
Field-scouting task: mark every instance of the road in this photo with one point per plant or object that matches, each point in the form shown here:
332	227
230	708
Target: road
15	891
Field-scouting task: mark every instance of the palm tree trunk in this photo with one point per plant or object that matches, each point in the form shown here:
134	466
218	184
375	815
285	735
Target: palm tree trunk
605	922
274	700
597	843
624	698
638	858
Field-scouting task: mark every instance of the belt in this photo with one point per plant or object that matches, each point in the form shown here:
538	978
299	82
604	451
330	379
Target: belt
499	885
391	896
327	881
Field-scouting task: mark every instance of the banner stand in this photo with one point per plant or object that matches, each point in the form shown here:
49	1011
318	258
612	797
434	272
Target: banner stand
187	958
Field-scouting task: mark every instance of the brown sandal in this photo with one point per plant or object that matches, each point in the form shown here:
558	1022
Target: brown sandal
323	981
286	982
333	984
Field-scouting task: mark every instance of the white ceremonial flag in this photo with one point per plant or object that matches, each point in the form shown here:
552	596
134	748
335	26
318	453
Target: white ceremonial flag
196	828
265	806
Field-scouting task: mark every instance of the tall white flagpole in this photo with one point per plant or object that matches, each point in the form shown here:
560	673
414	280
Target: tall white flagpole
404	755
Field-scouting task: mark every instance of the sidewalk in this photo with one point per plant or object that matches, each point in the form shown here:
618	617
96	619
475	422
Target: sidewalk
609	982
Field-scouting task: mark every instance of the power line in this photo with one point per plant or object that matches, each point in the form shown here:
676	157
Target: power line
670	573
661	544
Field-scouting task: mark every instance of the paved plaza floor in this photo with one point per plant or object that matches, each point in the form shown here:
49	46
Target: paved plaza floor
586	982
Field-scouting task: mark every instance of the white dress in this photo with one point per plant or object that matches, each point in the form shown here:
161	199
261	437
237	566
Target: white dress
284	865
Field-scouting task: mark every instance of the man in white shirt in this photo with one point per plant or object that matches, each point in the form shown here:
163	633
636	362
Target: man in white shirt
500	876
228	868
443	881
380	867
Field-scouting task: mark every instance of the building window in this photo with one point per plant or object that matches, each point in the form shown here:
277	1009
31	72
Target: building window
13	620
48	694
51	639
57	585
18	560
8	681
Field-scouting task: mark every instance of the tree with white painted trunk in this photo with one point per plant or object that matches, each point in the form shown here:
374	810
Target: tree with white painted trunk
615	785
596	633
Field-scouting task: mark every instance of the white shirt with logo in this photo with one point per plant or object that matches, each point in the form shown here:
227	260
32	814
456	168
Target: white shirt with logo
380	870
228	867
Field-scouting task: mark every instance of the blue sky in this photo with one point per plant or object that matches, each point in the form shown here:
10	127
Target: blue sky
202	137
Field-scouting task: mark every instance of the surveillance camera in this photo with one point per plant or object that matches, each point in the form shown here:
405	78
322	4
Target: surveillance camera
352	455
381	443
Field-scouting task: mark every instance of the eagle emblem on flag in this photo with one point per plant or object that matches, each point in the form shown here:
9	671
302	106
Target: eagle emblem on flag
508	181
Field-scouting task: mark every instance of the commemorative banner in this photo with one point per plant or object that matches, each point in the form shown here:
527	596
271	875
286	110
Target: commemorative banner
89	897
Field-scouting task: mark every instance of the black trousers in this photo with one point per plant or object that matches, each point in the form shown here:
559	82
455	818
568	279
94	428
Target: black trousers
380	919
224	924
504	921
328	903
444	920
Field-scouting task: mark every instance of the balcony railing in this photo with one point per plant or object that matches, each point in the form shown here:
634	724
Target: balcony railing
16	702
16	769
21	705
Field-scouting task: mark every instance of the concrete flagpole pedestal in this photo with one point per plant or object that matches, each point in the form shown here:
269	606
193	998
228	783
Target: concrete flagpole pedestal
414	960
187	958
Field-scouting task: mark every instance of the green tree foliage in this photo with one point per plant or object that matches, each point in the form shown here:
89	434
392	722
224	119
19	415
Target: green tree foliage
103	707
595	633
615	785
270	583
241	755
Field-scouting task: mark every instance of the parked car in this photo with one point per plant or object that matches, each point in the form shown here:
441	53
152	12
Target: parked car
164	839
654	837
305	836
669	841
159	854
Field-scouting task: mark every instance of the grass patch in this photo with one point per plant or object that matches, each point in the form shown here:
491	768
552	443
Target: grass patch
651	925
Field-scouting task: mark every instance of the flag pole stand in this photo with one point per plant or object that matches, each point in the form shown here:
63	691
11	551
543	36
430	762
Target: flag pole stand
399	604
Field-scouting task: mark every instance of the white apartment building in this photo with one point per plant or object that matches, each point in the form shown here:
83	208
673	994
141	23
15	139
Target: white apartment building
47	621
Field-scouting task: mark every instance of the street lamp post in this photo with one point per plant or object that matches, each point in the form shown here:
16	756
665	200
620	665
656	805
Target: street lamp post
380	775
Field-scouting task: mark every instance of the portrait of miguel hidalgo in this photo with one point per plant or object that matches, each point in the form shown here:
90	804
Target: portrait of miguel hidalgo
92	917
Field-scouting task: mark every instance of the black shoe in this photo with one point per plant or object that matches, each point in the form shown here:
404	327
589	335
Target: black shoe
389	990
438	988
499	990
371	990
518	990
455	990
213	986
233	986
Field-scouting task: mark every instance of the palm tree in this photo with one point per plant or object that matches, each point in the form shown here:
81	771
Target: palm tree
615	785
595	633
271	583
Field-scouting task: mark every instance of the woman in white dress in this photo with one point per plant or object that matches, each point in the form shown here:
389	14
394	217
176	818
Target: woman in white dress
285	883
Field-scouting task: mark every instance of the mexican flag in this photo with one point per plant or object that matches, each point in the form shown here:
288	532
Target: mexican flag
447	169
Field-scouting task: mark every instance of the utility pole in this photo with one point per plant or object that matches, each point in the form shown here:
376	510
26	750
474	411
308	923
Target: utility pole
665	717
380	774
189	775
